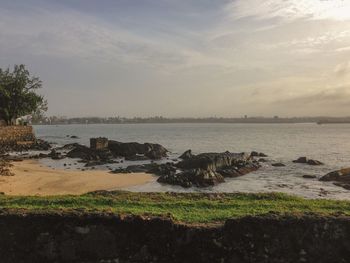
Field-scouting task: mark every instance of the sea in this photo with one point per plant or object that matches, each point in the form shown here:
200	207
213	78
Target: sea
283	143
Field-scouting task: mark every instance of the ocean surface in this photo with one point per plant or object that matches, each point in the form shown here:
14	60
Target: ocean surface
281	142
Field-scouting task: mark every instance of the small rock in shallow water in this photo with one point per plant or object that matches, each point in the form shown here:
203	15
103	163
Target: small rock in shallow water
305	160
257	154
308	176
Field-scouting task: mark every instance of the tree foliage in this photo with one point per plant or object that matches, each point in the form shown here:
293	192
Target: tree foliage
18	94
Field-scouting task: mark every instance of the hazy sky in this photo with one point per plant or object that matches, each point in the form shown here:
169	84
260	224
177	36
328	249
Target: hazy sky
183	57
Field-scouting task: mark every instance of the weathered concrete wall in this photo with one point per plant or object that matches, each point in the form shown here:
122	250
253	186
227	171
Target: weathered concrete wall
99	143
16	134
109	238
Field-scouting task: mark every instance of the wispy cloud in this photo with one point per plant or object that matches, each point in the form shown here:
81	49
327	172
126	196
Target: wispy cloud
342	69
290	9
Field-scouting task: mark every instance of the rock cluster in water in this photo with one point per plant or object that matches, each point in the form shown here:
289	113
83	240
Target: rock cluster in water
339	177
202	170
114	149
207	169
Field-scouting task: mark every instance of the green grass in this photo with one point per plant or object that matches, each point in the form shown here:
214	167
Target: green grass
188	208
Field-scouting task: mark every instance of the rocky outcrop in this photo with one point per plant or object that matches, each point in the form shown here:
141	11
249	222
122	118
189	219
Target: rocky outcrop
101	152
93	238
207	169
87	154
305	160
340	178
131	150
186	155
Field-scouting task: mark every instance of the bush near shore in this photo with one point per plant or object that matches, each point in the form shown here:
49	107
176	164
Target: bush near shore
181	207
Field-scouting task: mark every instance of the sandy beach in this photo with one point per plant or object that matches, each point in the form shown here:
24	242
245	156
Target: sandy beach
32	178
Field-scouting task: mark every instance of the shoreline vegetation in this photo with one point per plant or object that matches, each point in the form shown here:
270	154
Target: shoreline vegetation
192	208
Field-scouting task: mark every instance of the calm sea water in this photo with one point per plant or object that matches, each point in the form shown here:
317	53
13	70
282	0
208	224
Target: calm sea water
282	142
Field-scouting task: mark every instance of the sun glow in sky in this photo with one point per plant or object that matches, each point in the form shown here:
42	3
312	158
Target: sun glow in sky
313	9
183	57
333	9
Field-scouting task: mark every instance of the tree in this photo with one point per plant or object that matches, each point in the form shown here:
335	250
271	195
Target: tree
18	94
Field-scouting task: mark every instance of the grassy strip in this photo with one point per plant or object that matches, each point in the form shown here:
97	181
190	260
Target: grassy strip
189	208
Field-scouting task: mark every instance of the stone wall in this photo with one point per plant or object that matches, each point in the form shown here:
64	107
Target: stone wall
78	237
10	135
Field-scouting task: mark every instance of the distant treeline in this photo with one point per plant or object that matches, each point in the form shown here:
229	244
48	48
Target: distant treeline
119	120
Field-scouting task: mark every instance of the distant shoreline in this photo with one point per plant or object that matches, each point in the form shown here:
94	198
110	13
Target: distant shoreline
319	123
163	120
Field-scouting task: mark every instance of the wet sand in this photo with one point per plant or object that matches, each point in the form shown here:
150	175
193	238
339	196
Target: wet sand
32	178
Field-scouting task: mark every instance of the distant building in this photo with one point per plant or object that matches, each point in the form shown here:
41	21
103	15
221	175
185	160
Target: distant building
24	120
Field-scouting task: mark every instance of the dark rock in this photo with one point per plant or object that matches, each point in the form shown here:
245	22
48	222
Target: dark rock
186	155
87	154
278	165
208	169
193	177
129	150
55	155
305	160
74	137
137	157
307	176
257	154
300	160
262	160
340	177
131	169
69	146
214	161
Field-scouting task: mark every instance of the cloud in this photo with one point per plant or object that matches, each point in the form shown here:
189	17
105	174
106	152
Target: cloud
288	10
81	36
335	98
179	57
342	69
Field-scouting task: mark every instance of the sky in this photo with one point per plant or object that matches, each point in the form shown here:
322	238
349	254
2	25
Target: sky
183	58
